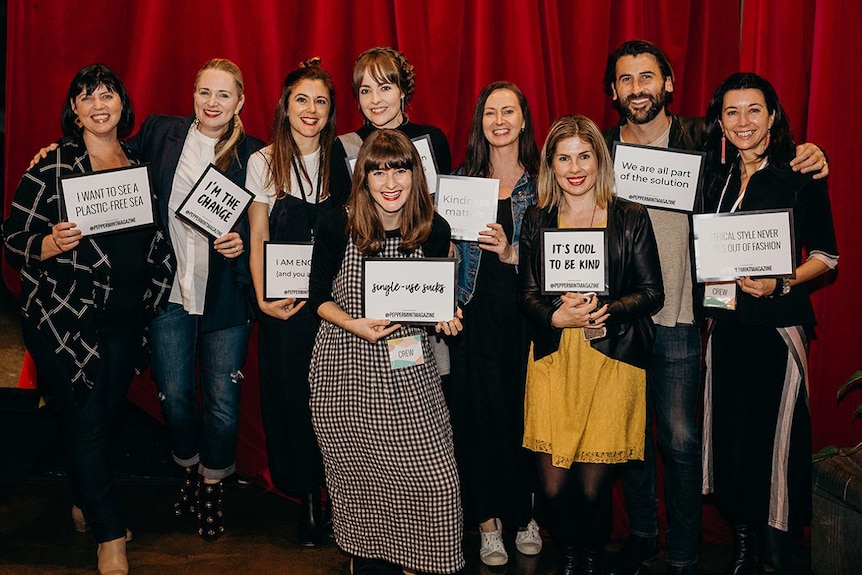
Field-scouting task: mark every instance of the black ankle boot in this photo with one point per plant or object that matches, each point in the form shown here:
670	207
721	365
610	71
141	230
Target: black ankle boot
211	511
775	551
744	551
187	501
309	519
636	552
568	560
591	562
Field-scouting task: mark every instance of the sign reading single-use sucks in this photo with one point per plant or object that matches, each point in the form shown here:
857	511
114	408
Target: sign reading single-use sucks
468	204
409	290
573	260
286	269
215	203
657	177
732	245
108	201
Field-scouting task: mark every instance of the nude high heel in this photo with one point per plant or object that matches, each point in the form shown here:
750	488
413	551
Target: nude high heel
112	557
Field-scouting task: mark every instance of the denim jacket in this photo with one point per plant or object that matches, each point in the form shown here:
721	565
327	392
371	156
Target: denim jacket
469	254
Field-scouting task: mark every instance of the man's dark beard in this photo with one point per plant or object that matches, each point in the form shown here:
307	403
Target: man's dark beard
657	102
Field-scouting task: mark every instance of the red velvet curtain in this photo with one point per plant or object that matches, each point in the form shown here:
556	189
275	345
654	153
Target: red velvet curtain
555	50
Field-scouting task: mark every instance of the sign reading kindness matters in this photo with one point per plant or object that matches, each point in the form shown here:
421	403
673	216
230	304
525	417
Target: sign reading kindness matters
215	203
108	201
468	204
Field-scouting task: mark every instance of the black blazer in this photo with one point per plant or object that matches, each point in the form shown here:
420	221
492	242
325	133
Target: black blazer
634	277
230	299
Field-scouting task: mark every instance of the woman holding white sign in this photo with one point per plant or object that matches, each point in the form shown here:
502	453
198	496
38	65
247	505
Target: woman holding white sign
486	397
383	427
757	436
290	180
585	404
211	307
85	300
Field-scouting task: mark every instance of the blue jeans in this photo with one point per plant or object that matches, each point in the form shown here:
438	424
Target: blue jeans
208	438
673	391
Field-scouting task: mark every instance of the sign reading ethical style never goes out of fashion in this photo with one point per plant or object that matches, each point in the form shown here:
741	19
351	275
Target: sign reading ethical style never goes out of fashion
409	290
728	246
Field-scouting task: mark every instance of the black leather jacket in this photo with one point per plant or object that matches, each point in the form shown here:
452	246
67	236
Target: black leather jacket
634	276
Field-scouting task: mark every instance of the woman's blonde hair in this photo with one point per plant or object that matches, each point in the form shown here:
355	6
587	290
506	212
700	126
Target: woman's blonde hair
581	127
383	150
225	148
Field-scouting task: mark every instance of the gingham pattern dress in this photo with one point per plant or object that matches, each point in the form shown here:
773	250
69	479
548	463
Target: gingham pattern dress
386	441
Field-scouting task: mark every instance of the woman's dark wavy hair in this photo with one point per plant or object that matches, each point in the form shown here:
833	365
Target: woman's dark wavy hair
782	146
87	80
478	157
284	147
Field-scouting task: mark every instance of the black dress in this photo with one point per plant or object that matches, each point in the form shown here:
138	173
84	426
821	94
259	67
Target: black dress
284	352
487	393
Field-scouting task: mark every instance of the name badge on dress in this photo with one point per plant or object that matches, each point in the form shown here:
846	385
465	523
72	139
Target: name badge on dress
721	295
405	351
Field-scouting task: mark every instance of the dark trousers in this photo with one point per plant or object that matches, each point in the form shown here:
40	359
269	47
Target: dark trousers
87	425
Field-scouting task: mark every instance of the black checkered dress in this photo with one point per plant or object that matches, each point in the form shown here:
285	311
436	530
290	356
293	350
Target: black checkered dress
386	441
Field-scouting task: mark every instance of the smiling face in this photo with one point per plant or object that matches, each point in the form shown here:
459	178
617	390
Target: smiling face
380	102
745	120
217	99
640	90
390	189
308	112
575	167
502	118
99	111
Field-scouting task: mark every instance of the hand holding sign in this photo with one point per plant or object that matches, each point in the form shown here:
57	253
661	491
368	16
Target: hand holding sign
64	236
229	245
580	310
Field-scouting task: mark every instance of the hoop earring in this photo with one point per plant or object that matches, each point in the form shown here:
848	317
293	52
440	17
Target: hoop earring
768	137
78	122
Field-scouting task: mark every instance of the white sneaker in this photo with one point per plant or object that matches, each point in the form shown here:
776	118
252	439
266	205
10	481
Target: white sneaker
528	540
493	552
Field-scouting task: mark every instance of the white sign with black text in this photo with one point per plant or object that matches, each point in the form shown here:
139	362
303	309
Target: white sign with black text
108	201
733	245
215	203
573	260
657	177
468	204
286	269
409	290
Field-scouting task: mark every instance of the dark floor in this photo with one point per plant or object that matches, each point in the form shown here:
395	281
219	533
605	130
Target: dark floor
36	535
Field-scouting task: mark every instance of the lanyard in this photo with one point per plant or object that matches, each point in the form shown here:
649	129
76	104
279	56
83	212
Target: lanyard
738	201
316	195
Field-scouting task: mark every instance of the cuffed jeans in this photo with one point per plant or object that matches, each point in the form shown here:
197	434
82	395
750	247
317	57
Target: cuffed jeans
87	427
673	391
208	438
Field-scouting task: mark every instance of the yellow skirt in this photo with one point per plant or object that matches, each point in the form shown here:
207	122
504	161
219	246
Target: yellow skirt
581	405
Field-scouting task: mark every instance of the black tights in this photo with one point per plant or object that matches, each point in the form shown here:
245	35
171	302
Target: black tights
577	503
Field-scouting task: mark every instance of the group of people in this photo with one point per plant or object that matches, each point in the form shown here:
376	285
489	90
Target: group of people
525	406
